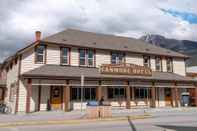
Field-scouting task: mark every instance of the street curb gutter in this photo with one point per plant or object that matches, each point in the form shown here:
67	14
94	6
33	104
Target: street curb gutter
72	122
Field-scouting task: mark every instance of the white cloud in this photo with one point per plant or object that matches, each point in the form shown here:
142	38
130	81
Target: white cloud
121	17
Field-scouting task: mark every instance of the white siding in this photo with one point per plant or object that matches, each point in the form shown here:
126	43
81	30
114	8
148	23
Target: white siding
102	57
45	96
53	55
134	59
164	66
28	61
22	96
179	66
12	76
34	99
74	56
152	63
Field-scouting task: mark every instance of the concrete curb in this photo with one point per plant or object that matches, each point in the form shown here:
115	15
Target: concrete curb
73	122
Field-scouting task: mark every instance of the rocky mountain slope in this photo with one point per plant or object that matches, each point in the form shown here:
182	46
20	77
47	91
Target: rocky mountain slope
183	46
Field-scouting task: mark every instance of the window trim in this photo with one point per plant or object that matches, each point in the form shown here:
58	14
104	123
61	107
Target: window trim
86	57
118	52
161	65
144	89
78	93
44	54
172	70
149	61
68	56
116	97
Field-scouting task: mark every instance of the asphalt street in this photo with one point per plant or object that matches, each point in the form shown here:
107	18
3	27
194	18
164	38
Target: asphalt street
186	121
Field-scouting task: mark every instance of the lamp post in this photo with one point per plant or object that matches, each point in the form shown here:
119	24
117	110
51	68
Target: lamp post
82	85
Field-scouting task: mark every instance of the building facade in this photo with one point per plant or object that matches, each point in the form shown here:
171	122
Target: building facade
70	68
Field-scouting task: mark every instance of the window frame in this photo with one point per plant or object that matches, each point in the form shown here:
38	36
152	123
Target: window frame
160	64
86	57
118	55
171	64
149	63
89	91
114	95
142	90
43	55
68	55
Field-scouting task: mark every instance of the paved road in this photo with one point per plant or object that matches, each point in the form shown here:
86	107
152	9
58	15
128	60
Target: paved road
186	121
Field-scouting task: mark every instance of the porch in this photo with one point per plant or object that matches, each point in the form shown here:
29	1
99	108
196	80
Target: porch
66	94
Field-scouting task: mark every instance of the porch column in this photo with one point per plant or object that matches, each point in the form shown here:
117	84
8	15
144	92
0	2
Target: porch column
29	93
66	97
39	96
195	95
176	94
153	95
128	95
133	93
99	92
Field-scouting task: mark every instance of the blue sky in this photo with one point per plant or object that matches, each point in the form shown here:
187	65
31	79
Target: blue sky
186	16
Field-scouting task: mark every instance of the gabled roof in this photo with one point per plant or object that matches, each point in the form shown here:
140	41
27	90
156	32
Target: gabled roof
109	42
57	71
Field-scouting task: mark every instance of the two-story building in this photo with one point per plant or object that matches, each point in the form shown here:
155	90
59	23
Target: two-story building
3	88
71	67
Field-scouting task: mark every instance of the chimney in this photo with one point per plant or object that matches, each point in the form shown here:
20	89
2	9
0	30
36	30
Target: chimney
38	35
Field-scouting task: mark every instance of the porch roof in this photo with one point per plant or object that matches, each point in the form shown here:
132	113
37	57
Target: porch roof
69	72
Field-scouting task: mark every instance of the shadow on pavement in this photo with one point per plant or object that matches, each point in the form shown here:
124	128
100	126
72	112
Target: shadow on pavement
133	128
178	128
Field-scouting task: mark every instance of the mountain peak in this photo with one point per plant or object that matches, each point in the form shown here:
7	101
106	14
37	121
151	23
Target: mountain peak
182	46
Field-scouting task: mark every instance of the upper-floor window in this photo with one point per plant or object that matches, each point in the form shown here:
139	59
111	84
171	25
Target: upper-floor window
40	54
117	57
147	61
65	52
86	57
158	64
169	65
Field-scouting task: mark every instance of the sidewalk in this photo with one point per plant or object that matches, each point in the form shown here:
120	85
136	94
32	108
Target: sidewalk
74	117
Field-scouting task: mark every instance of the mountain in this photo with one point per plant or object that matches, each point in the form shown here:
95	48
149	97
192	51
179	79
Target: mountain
183	46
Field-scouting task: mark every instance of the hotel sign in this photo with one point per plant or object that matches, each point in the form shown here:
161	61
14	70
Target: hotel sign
125	69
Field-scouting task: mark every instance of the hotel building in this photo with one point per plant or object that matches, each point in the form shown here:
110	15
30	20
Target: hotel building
72	65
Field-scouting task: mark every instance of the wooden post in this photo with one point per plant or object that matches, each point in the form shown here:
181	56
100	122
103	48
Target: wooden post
67	97
39	96
176	94
153	95
99	92
128	95
133	93
195	96
29	93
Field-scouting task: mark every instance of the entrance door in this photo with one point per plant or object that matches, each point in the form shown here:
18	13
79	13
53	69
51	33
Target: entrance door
56	98
168	96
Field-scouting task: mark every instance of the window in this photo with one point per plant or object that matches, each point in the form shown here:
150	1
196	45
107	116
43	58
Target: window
88	93
117	57
116	93
90	57
40	54
142	93
169	65
86	57
147	61
158	64
65	56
